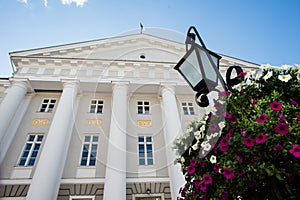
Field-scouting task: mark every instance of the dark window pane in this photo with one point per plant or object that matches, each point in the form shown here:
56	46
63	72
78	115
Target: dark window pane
141	139
92	162
28	146
87	138
83	162
139	103
140	110
93	101
53	101
146	103
31	138
142	161
46	100
99	109
95	139
150	161
40	138
148	139
93	108
183	104
31	161
22	162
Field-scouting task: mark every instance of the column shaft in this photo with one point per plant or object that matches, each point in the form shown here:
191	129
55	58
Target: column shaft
10	104
46	180
115	178
172	130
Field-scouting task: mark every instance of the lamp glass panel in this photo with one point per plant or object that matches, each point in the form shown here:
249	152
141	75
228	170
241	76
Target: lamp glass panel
209	70
190	69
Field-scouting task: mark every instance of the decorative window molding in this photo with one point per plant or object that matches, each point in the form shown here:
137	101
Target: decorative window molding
47	105
145	150
89	150
30	150
188	108
143	107
96	106
148	196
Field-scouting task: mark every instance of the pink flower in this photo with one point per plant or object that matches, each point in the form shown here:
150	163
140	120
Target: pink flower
242	74
229	133
233	119
277	147
228	173
294	102
249	142
217	168
295	151
262	118
224	195
224	141
240	157
224	148
193	162
261	138
298	116
282	128
275	106
191	170
227	115
207	180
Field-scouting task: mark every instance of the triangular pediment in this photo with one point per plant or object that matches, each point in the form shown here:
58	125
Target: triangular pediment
138	47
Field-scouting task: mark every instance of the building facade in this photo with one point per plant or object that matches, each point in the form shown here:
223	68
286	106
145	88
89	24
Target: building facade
96	120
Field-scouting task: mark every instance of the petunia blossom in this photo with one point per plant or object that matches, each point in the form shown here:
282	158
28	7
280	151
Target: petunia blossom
207	179
278	147
294	102
224	148
284	78
191	170
249	142
228	173
193	162
261	138
262	118
275	105
282	128
298	116
295	151
217	168
213	159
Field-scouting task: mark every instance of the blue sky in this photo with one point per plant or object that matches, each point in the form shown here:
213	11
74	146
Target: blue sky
259	31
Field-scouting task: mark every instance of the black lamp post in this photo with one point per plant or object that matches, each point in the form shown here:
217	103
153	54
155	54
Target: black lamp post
200	68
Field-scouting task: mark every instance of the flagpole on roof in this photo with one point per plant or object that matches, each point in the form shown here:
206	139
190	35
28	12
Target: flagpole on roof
142	27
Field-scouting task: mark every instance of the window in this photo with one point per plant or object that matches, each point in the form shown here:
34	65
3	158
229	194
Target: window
31	150
145	150
89	150
188	108
47	105
143	107
96	106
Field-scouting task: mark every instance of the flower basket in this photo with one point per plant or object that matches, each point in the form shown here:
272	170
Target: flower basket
248	147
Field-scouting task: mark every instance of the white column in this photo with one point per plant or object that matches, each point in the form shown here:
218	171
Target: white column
46	179
172	130
10	104
115	177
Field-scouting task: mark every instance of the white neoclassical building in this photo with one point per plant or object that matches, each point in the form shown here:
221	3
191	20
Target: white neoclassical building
95	120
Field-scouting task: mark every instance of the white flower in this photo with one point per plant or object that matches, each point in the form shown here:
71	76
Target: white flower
285	67
265	66
182	159
206	146
284	78
215	135
202	128
198	135
213	159
268	75
222	125
195	146
189	130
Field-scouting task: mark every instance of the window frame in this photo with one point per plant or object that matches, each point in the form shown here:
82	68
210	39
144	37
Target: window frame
90	144
190	109
28	158
97	105
47	108
143	107
145	158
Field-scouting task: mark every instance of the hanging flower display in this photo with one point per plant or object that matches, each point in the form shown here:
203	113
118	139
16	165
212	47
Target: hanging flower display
249	141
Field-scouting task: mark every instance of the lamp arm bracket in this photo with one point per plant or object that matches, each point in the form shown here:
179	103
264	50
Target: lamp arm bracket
233	81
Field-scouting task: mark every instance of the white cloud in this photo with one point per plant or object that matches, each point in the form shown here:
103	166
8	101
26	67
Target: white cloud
78	2
23	1
45	3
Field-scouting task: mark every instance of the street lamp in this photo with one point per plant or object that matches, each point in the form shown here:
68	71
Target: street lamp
200	68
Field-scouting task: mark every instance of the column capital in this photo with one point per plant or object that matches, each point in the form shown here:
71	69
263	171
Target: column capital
23	83
120	84
167	87
72	83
